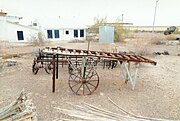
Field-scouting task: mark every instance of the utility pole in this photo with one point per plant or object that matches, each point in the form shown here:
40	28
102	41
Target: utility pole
155	15
122	18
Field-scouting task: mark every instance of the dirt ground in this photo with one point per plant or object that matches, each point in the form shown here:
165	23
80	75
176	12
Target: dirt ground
156	93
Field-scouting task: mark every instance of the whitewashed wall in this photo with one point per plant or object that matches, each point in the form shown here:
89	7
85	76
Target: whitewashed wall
64	36
8	31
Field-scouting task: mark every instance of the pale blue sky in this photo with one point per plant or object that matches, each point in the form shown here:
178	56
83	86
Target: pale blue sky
82	12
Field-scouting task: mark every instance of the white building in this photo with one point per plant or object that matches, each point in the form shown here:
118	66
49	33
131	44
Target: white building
67	34
12	31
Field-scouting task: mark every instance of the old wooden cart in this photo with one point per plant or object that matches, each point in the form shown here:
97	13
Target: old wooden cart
83	78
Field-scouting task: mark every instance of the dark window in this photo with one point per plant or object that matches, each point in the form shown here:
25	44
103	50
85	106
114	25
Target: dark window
81	33
20	35
34	24
56	33
49	34
67	32
75	33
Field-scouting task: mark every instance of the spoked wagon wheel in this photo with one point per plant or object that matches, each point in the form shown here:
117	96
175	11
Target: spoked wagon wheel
35	67
83	85
49	67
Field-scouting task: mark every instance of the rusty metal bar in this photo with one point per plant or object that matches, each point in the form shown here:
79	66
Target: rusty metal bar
57	67
54	73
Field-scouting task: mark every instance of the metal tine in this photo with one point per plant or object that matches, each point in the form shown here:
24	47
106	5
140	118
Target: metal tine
131	56
139	58
97	54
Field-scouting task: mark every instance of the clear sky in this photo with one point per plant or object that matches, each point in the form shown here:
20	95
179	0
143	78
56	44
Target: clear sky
81	12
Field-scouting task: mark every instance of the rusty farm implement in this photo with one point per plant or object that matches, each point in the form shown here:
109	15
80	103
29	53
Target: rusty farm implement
83	78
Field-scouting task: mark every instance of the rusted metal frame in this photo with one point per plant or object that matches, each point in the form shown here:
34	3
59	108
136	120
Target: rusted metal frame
50	60
127	57
57	66
139	57
133	58
148	60
109	57
54	73
83	66
70	63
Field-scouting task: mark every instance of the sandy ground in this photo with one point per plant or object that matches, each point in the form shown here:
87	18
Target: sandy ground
156	93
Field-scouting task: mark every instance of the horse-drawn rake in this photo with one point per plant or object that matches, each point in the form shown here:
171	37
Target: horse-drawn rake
83	78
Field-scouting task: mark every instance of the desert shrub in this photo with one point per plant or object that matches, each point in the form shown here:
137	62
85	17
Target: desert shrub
38	40
121	33
177	31
171	37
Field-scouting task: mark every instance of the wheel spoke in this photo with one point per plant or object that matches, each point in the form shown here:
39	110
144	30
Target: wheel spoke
75	84
88	88
89	72
79	87
75	76
92	75
91	84
83	89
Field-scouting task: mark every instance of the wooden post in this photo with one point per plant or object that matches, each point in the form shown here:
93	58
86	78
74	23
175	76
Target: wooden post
54	73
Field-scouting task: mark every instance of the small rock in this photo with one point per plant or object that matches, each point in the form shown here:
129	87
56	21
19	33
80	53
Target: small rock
102	94
166	53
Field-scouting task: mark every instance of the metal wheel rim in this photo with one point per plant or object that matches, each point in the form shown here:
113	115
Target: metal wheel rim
34	68
48	68
83	86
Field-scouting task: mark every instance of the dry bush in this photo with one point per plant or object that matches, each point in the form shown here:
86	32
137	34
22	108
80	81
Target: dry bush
38	40
170	37
177	31
121	33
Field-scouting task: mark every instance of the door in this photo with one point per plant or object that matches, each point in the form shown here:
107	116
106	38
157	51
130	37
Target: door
20	35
